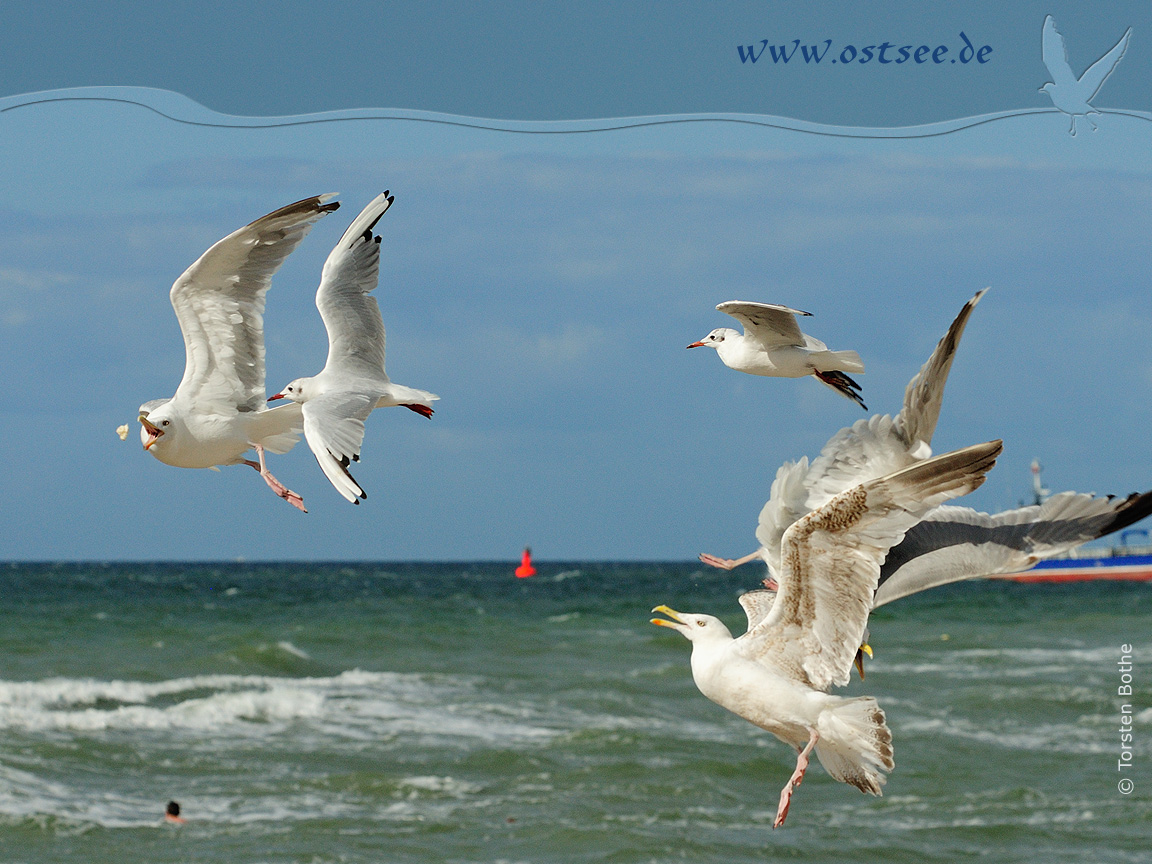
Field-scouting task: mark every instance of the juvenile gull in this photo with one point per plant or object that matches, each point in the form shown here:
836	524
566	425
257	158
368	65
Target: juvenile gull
219	410
773	345
338	400
776	675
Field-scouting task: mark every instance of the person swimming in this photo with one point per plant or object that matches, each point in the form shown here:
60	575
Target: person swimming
172	814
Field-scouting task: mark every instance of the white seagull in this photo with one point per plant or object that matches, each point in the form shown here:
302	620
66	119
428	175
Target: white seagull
773	345
352	383
1070	94
868	449
776	675
950	543
219	411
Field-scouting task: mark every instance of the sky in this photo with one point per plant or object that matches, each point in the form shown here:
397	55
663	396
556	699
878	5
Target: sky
546	285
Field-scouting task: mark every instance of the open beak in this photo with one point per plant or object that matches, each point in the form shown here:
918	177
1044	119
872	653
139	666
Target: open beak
154	431
277	396
671	613
860	652
696	345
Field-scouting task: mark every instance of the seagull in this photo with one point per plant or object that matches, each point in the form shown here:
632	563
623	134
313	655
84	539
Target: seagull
868	449
951	544
219	412
777	674
1070	94
773	345
337	401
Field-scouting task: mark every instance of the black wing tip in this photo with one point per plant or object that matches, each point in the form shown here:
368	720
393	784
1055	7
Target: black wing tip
1134	508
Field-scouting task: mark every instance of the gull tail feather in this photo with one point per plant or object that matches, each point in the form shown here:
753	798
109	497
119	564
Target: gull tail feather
855	744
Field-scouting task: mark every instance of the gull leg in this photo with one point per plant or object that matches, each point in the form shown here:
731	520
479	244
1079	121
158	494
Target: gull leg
422	410
797	777
274	484
727	563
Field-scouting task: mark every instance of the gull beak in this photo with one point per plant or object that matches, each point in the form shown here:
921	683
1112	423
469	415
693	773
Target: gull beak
154	431
671	613
277	396
860	652
696	345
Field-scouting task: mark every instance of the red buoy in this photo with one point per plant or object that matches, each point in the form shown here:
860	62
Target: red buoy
525	569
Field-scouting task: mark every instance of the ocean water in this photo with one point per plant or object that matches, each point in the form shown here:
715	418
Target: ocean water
453	713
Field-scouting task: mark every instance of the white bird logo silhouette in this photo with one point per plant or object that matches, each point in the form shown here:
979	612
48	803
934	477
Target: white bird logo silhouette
1069	93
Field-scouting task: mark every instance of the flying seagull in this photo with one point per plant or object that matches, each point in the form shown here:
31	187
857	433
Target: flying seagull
338	400
950	543
773	345
868	449
777	674
1070	94
219	411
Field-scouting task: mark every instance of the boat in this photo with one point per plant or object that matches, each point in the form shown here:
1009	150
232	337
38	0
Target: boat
1126	561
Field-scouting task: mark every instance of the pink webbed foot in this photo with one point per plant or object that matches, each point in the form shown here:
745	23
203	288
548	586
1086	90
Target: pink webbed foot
728	563
713	561
422	410
795	780
274	484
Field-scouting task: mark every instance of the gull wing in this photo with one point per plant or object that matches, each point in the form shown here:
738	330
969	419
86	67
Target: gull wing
351	315
1055	54
868	449
831	565
757	604
1096	74
925	392
955	543
771	325
334	429
219	302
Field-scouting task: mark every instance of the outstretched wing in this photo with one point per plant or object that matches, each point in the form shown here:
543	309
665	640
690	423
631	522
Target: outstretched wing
334	428
925	392
219	302
1096	74
772	325
1055	54
955	543
831	565
351	315
757	604
867	449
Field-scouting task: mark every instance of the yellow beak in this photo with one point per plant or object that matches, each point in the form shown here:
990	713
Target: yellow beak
154	431
671	613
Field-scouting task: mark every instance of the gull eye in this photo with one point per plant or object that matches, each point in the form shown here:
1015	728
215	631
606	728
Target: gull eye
165	422
699	623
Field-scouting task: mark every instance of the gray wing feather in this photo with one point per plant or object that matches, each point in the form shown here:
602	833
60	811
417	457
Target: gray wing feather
956	543
351	315
219	302
768	323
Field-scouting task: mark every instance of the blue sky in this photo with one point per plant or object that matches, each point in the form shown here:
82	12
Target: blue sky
545	287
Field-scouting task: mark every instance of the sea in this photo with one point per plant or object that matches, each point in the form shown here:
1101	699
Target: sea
450	712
